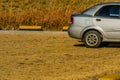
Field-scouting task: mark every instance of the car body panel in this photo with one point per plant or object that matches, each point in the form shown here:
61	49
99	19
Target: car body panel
109	27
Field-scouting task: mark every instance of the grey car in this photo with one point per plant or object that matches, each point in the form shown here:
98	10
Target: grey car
97	25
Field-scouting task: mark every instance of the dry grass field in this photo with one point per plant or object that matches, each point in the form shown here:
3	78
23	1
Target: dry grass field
53	56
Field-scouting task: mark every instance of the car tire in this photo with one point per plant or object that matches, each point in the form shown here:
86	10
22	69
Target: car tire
92	39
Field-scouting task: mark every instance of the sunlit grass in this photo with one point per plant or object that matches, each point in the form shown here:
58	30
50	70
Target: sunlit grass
51	14
53	56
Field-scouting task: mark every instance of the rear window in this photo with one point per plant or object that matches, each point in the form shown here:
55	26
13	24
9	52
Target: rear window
91	10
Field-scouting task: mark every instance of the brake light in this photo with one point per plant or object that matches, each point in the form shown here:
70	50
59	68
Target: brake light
72	20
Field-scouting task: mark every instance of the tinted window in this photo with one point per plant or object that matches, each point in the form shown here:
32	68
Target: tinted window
108	11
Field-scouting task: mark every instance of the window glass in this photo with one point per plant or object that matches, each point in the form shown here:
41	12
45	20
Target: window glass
108	11
114	11
90	10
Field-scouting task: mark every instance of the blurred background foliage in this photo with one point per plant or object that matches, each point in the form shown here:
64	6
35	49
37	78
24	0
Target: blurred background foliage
51	14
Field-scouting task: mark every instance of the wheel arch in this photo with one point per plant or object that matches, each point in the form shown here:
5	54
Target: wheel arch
91	30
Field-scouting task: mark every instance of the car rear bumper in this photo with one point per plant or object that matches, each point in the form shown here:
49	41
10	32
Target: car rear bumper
74	31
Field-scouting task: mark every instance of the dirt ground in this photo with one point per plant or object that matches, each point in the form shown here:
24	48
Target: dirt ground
53	56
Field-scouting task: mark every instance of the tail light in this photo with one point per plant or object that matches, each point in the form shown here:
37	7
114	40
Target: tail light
72	20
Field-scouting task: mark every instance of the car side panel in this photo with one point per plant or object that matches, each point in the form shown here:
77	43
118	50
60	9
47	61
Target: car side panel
110	26
79	24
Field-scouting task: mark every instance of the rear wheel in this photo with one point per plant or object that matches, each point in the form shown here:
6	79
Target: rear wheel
92	39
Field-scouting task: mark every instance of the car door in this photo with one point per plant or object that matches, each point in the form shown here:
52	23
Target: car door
108	18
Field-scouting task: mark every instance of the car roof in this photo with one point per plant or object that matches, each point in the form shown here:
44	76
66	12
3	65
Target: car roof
110	3
93	9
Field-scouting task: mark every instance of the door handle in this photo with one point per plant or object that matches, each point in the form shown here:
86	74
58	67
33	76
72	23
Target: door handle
98	19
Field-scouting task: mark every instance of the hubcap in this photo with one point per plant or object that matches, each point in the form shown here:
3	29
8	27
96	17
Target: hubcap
91	39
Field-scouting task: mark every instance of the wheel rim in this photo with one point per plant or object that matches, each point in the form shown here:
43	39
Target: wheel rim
92	39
